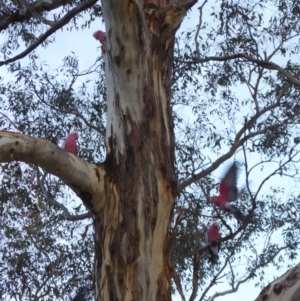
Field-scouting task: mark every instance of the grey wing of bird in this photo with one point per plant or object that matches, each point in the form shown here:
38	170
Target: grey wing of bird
230	180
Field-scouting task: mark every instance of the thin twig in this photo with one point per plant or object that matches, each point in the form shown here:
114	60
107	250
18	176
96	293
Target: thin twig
248	276
52	201
198	28
238	142
59	24
263	64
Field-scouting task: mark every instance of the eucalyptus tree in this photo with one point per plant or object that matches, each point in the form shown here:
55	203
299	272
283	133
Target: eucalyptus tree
164	113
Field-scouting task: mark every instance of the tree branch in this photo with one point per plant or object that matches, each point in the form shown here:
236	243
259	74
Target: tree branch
248	218
238	142
164	21
74	111
215	278
35	14
177	281
198	28
234	289
39	7
263	64
9	120
50	200
246	221
63	21
285	287
87	180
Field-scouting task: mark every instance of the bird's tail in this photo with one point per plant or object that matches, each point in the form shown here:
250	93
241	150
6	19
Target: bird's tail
214	257
236	213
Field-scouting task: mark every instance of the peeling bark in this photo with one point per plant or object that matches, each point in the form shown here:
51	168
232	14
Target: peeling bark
285	288
133	230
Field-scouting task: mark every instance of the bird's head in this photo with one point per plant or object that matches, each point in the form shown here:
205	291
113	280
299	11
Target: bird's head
100	36
215	226
74	135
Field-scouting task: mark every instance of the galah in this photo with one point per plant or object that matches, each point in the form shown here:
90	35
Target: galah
212	237
229	193
70	144
100	36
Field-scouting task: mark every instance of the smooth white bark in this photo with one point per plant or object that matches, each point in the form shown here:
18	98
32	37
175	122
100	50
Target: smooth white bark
284	288
80	176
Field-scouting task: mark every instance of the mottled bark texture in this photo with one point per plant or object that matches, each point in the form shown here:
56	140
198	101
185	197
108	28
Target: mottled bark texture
132	232
285	288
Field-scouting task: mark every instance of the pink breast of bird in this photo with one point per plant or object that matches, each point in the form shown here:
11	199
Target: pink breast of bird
213	233
222	199
100	36
71	145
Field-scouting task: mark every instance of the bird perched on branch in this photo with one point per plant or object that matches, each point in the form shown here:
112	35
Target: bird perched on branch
229	193
70	145
212	237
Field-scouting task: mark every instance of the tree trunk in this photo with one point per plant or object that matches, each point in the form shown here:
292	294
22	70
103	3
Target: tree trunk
132	232
285	288
132	193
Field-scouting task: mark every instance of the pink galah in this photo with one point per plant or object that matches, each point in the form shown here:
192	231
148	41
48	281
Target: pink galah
70	144
229	193
100	36
212	237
